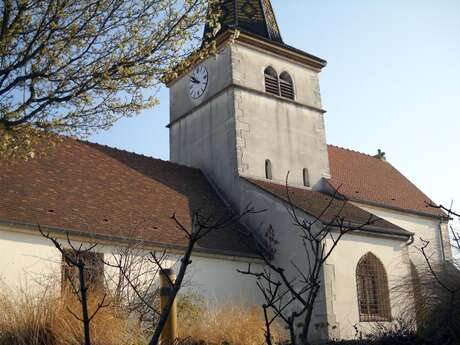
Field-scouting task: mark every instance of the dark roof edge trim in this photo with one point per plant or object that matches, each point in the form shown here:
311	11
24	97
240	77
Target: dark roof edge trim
126	240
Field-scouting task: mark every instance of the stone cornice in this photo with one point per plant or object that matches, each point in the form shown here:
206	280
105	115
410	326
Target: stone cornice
263	44
247	89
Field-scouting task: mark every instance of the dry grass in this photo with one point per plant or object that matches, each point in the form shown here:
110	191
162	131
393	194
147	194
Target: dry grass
27	319
231	324
43	319
430	302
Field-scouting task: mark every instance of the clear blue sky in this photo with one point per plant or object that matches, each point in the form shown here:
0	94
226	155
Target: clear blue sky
392	82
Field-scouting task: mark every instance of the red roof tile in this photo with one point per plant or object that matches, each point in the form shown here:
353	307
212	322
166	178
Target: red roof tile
329	210
104	191
362	177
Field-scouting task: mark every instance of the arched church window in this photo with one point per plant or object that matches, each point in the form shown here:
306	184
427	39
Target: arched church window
373	292
271	81
268	170
306	177
286	86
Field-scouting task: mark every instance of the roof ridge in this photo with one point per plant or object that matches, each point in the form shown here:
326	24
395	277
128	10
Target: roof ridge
140	155
351	150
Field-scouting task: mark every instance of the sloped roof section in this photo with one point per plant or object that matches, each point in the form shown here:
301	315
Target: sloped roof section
330	210
251	16
368	179
103	191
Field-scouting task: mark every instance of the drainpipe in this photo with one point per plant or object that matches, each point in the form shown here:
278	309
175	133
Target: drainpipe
443	251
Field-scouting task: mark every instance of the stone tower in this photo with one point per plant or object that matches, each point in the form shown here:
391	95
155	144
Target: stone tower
254	110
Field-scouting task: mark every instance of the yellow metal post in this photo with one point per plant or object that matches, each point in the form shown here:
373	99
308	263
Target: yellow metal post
169	333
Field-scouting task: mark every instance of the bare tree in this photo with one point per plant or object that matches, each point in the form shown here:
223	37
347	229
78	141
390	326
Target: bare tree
135	283
138	277
291	298
74	67
202	226
440	288
430	295
75	257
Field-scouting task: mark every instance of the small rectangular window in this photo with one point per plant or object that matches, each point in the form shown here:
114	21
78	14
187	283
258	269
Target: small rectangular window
268	170
306	177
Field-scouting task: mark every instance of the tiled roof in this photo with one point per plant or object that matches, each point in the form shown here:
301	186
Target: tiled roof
253	16
104	191
329	210
369	179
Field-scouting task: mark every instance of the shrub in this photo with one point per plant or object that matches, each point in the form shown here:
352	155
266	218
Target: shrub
431	301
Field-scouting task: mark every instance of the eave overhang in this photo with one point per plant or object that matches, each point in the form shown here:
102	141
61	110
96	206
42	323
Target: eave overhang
101	239
263	44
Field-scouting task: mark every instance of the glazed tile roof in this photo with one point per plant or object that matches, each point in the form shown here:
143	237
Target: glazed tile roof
330	210
252	16
368	179
104	191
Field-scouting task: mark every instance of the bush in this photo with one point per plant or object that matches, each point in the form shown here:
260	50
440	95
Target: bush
431	301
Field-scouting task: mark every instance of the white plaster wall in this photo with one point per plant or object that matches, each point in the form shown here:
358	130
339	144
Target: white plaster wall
28	261
205	139
427	228
289	245
337	306
341	278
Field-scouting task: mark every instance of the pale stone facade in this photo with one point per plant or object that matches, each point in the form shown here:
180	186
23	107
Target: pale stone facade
236	126
234	118
229	133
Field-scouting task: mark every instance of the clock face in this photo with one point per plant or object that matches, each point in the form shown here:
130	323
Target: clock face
198	82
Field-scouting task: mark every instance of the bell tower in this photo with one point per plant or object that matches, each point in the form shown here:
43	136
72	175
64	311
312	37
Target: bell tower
255	110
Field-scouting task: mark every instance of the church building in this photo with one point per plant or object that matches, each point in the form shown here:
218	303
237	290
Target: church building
247	127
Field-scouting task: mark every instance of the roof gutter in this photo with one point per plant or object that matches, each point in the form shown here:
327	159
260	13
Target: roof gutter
237	256
380	231
395	208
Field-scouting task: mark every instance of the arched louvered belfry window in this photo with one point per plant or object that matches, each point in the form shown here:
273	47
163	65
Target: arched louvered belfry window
271	81
306	177
268	170
373	291
286	86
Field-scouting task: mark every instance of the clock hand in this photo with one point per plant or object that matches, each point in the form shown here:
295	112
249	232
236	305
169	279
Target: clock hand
194	80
